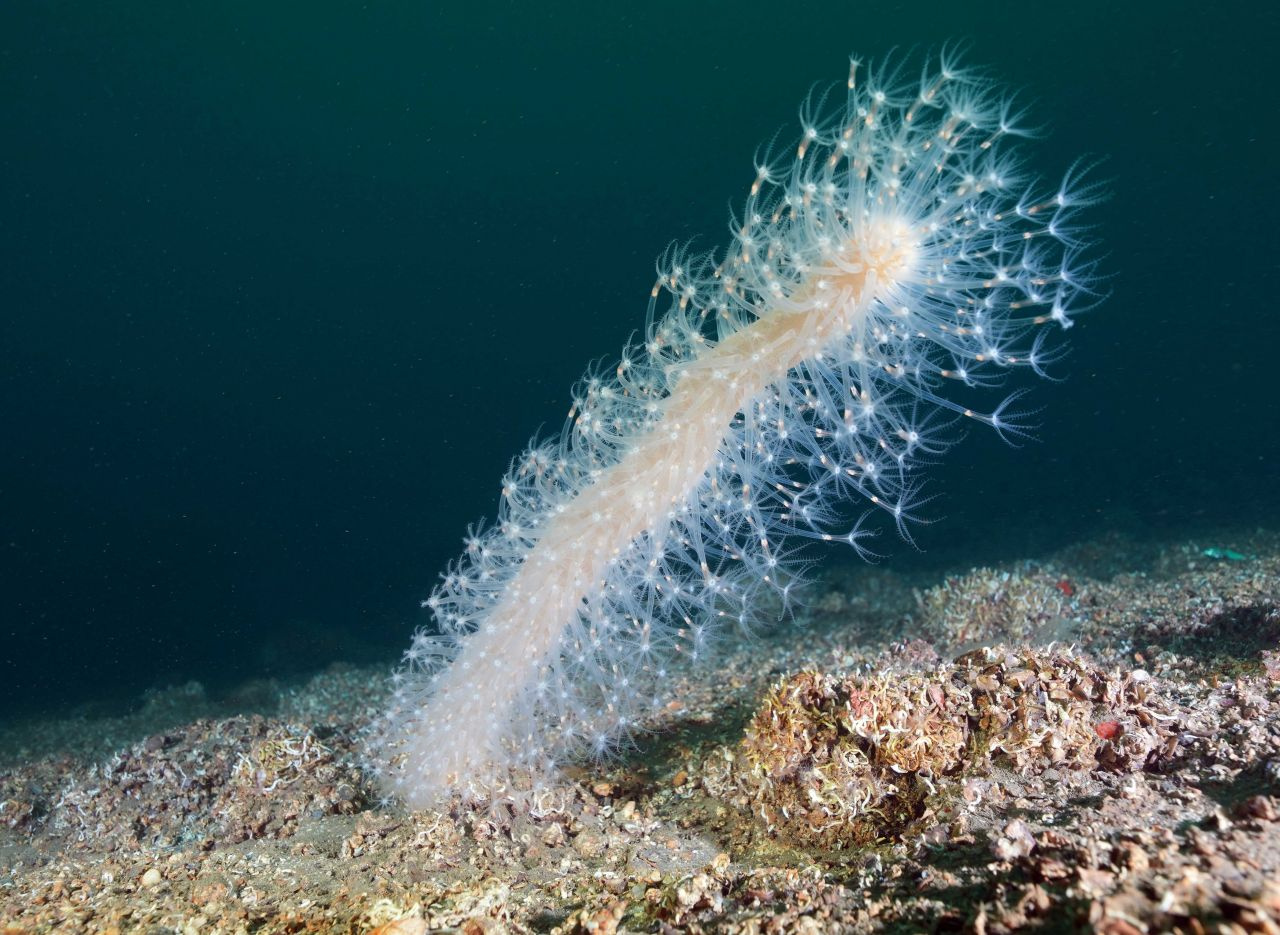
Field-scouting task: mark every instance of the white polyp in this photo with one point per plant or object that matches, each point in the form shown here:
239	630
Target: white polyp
890	264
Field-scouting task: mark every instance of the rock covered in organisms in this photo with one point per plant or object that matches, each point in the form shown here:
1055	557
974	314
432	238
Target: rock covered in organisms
843	760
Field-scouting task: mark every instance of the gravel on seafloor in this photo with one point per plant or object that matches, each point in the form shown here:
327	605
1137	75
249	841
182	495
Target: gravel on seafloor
1087	742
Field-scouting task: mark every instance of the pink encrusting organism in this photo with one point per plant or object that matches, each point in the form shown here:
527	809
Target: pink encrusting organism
895	259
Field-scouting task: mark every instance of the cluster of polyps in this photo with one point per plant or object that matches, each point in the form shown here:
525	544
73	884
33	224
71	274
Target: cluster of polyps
894	260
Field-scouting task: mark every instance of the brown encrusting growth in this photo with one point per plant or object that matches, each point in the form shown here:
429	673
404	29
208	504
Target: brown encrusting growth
1027	747
838	761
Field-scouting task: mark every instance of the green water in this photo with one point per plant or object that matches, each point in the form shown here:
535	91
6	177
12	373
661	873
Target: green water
286	285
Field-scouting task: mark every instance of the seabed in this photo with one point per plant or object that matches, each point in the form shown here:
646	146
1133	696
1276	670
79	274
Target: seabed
1087	741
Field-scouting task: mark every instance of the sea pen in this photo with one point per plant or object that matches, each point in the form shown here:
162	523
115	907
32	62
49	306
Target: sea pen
881	273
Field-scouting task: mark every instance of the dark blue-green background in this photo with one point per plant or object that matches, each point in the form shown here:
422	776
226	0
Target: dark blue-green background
284	285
